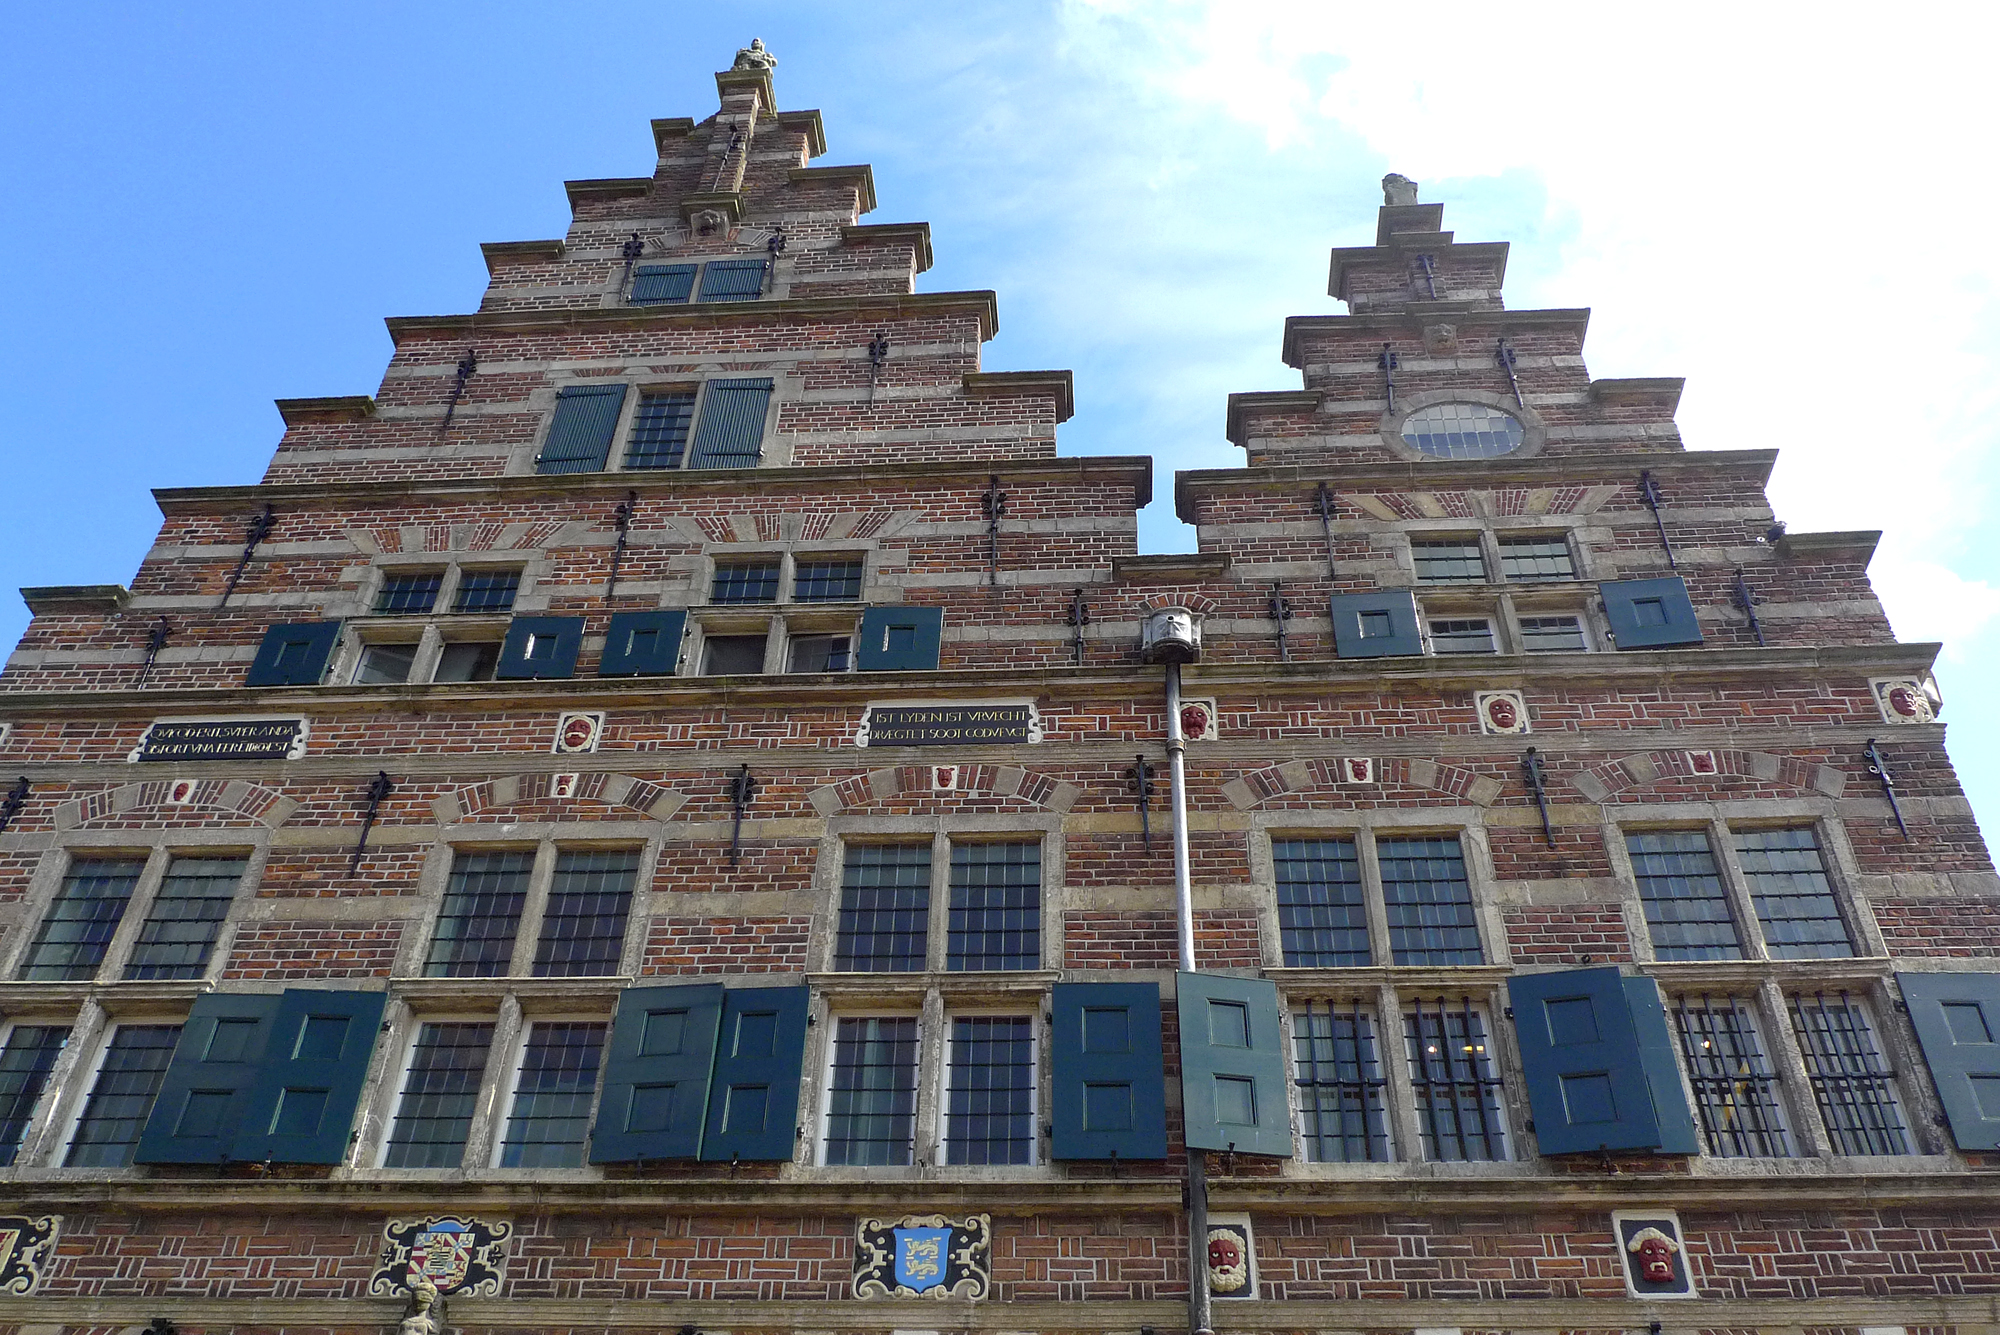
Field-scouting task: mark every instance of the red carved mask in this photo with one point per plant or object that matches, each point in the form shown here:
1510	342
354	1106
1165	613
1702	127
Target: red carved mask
1224	1252
1656	1261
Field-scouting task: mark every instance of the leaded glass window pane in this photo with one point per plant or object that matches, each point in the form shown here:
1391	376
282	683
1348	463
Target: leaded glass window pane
996	906
990	1092
1687	909
550	1119
1735	1090
1553	635
583	929
1449	560
1455	1084
1794	899
486	590
410	595
872	1105
1851	1079
745	582
1339	1078
885	900
480	915
25	1063
1531	559
81	920
660	430
1462	431
1429	901
828	580
1463	635
135	1063
187	913
1322	921
440	1094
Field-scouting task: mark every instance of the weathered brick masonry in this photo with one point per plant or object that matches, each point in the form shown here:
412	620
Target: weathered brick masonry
1550	693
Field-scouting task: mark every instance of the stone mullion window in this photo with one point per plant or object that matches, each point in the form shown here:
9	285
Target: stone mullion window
439	1094
553	1093
26	1061
1340	1081
990	1096
177	936
88	924
131	1066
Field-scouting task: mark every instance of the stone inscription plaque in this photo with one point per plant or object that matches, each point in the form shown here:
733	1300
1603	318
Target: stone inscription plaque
232	739
949	725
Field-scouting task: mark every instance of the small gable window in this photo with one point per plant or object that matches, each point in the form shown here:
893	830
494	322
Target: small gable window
1463	431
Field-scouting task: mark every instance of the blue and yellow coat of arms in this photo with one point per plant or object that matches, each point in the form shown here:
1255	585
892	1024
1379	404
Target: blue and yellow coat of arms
923	1256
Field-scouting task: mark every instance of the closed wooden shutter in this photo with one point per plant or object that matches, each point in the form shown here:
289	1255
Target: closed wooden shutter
1107	1087
733	280
579	439
303	1102
658	284
753	1094
205	1096
655	1097
1580	1055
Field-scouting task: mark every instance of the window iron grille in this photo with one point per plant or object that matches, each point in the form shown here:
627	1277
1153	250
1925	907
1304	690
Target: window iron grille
872	1101
1454	1083
1339	1078
25	1064
550	1119
1735	1090
1851	1080
440	1095
990	1092
128	1079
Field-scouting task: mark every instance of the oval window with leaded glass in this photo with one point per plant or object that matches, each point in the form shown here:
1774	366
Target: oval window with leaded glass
1462	431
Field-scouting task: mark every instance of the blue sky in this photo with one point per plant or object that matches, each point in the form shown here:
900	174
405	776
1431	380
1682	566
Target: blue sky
209	209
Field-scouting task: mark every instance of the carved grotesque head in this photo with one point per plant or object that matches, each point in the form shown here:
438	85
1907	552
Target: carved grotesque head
1228	1267
1655	1253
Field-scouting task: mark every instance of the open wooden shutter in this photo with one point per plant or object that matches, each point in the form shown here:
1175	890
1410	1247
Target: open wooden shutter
540	648
1108	1090
899	639
657	284
656	1076
1580	1055
294	653
753	1095
1650	613
1678	1134
302	1103
1382	624
643	644
731	431
206	1095
579	439
1957	1019
1233	1079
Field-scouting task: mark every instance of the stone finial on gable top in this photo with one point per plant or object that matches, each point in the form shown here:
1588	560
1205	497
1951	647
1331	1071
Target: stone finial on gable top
1397	189
755	57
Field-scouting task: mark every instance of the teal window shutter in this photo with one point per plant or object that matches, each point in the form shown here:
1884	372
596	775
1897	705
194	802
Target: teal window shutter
1382	624
1234	1094
753	1095
656	1075
579	439
1580	1054
294	653
731	431
658	284
1108	1092
205	1098
733	280
899	639
1663	1074
302	1104
643	644
1650	613
1957	1019
539	648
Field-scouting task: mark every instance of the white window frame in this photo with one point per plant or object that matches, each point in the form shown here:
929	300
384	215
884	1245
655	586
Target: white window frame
1037	1042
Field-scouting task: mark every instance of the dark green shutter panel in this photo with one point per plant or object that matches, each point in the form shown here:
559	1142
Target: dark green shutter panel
206	1095
579	439
899	639
294	653
1663	1073
1580	1055
1957	1019
643	644
540	647
302	1104
656	1078
1382	624
654	284
1109	1093
1650	613
731	432
1234	1093
733	280
753	1096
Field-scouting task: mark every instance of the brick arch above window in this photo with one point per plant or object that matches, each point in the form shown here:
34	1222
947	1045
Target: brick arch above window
508	791
857	525
252	802
1644	769
1303	776
408	539
967	783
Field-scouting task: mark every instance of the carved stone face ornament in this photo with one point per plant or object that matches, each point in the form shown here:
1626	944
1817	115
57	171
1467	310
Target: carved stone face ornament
1655	1253
1228	1267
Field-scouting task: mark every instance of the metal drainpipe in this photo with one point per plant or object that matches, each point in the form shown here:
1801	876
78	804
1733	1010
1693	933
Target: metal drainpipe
1197	1180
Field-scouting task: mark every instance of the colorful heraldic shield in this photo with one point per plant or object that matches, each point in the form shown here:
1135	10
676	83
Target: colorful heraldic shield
923	1256
456	1254
26	1242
